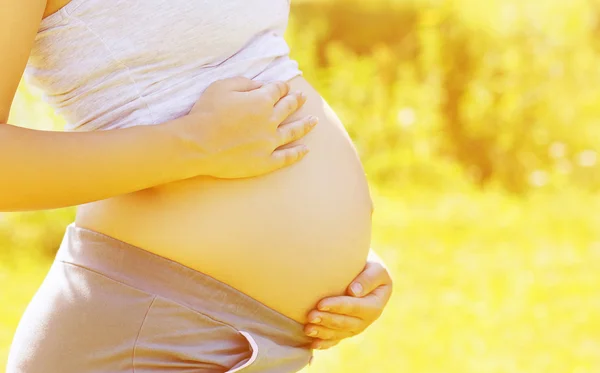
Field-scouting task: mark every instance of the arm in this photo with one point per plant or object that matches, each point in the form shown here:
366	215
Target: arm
46	169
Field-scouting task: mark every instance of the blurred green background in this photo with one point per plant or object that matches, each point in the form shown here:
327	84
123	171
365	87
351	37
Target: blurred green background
478	125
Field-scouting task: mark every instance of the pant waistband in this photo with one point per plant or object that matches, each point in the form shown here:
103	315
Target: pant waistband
154	274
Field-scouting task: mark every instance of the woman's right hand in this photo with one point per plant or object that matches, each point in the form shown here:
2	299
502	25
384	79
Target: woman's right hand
239	129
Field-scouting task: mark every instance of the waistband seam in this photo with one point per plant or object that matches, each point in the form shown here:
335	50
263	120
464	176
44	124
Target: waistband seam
178	267
107	277
153	295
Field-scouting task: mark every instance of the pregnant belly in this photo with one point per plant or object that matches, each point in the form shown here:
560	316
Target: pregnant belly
287	239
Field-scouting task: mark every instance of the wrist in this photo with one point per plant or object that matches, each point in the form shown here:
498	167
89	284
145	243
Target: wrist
186	153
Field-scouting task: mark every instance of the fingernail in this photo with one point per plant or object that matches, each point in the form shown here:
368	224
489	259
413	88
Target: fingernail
316	320
302	95
357	288
313	120
304	149
312	333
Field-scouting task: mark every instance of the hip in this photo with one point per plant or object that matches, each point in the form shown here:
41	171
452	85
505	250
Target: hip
109	306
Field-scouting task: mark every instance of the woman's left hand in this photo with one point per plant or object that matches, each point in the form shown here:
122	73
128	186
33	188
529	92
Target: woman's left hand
337	318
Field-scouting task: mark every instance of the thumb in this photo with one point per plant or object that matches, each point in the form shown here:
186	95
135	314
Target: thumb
240	84
373	276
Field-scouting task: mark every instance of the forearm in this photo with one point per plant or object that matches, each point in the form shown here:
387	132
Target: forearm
44	169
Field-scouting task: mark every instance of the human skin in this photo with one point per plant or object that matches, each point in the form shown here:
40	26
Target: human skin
337	318
308	223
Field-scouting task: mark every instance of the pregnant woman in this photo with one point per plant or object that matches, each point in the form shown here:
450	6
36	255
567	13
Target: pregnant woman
219	228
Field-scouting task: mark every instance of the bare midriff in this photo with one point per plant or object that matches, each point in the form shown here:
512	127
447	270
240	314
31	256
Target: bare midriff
287	239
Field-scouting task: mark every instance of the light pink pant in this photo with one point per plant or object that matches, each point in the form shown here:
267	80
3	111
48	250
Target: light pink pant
107	306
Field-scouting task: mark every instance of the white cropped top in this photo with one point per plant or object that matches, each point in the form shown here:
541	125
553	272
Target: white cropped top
105	64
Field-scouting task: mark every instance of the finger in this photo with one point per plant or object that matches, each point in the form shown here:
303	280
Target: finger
363	308
288	106
274	91
293	131
383	293
373	276
288	156
239	84
324	345
336	321
316	331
